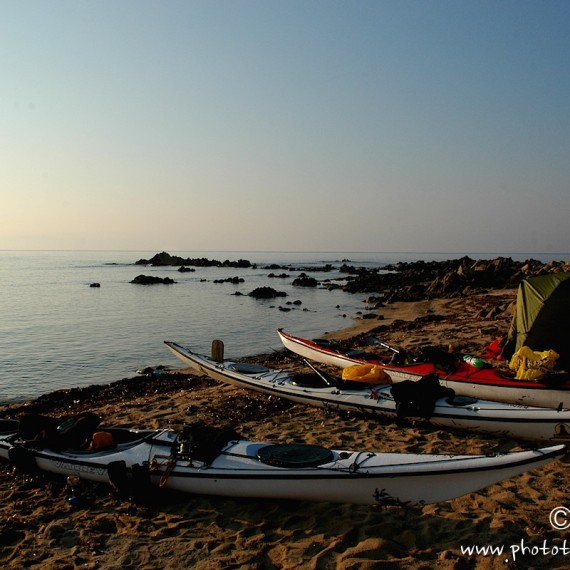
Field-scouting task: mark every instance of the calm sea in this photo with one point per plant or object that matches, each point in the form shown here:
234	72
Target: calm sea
58	332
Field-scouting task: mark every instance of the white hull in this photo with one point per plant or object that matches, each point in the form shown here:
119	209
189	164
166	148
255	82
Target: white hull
346	476
510	420
485	384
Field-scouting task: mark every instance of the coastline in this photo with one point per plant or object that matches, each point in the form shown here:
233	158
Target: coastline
40	529
61	339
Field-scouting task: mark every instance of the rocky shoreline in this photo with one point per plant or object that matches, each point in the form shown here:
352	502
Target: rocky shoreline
403	281
415	281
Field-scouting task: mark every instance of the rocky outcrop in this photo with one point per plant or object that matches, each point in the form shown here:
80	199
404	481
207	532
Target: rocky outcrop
235	280
305	281
266	293
150	280
404	281
164	259
414	281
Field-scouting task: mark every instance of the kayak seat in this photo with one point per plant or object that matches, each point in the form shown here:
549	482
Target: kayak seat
325	342
109	439
352	385
362	355
294	455
309	380
247	368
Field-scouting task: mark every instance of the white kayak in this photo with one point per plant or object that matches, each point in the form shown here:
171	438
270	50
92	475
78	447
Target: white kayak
465	380
509	420
218	465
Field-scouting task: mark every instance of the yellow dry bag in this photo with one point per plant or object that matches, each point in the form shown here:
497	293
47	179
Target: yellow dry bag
530	364
368	373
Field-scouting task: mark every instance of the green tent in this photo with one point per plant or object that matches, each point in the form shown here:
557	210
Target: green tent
542	317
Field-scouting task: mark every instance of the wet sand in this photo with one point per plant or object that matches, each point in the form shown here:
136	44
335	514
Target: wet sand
39	528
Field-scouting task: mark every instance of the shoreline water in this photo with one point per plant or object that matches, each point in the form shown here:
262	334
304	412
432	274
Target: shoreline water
58	332
78	336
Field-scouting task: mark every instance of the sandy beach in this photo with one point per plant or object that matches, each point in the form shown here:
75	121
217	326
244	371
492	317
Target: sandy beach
39	528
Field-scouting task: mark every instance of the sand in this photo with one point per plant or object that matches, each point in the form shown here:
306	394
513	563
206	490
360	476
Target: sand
39	528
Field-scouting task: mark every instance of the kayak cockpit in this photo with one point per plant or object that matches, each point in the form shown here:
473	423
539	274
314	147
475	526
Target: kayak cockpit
80	433
294	455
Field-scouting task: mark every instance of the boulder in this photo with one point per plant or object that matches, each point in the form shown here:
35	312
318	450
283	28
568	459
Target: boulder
305	281
150	280
164	259
266	293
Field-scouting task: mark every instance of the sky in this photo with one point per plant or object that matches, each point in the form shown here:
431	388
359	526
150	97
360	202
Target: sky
285	125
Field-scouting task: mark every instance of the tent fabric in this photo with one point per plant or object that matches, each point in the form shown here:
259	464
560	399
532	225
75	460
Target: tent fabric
542	317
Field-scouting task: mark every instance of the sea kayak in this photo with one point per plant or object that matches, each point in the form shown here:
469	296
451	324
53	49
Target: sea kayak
213	462
465	380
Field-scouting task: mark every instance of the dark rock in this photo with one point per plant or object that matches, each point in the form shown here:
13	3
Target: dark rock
164	259
275	266
234	280
348	269
266	293
414	281
150	280
305	281
77	400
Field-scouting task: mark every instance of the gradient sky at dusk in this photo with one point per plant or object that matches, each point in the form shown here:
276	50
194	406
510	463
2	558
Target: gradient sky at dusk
285	125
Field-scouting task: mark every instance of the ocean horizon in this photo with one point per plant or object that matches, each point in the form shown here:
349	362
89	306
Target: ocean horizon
58	332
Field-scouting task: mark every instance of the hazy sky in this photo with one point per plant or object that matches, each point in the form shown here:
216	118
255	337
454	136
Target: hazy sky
387	125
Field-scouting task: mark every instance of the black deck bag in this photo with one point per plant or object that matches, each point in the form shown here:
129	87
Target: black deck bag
442	359
76	432
206	442
416	398
69	432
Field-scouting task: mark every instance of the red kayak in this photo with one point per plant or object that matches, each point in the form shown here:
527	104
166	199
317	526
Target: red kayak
484	383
